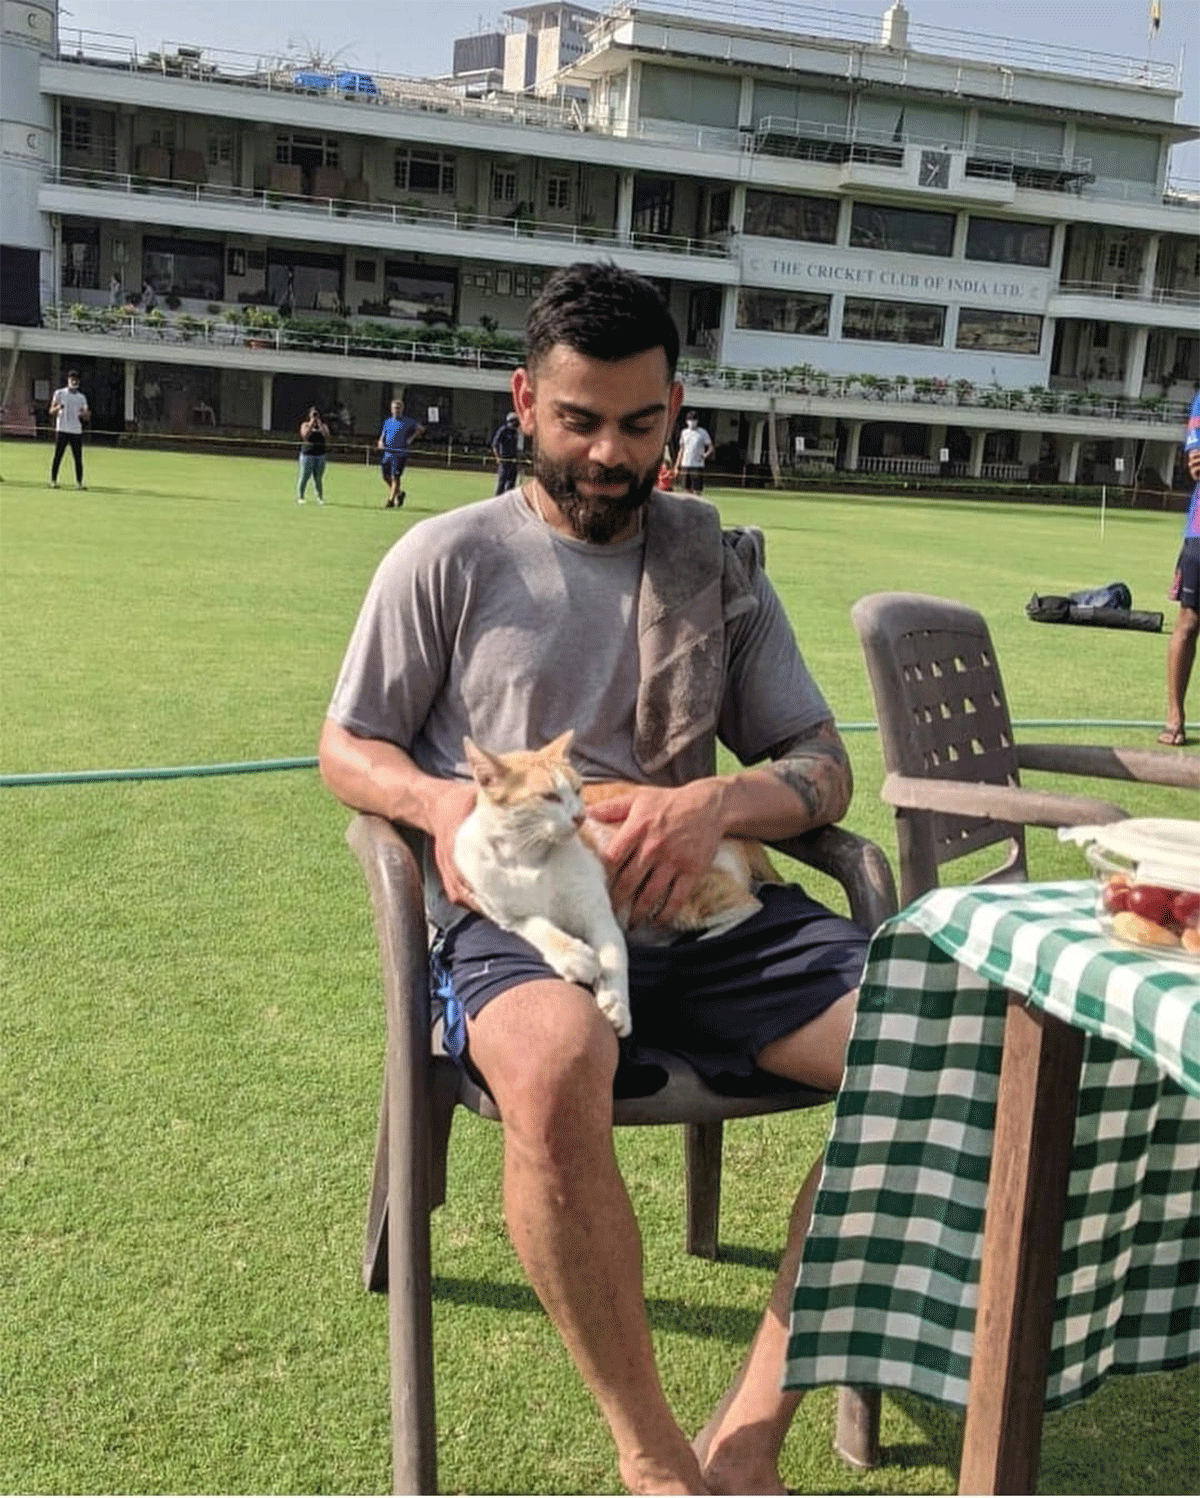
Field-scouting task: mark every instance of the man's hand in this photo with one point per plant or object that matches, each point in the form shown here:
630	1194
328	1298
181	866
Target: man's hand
665	843
1193	462
449	809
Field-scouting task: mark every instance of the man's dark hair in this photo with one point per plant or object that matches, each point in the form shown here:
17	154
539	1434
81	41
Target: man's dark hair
72	374
601	311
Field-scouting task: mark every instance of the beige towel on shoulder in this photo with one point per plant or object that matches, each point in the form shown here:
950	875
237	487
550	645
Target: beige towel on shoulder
696	577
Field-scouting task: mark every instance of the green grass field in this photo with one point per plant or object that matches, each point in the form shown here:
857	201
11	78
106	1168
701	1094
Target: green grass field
190	1040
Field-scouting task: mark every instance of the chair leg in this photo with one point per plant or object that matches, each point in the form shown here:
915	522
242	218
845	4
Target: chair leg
856	1439
375	1249
410	1284
702	1165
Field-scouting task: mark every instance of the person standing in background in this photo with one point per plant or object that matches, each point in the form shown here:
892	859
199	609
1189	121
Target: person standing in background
398	432
69	408
695	448
506	444
314	452
1185	590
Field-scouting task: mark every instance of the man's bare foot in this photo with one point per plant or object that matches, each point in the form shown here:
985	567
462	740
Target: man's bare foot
735	1461
644	1474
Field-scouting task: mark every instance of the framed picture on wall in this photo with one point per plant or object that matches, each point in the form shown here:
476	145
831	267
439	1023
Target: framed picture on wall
236	263
521	283
504	283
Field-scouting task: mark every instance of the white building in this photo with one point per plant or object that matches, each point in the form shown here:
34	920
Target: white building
882	255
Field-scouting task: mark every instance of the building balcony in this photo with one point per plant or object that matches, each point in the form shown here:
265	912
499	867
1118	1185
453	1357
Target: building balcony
1158	296
131	198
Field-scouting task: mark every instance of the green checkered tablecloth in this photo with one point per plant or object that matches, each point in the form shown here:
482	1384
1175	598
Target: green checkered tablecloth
888	1284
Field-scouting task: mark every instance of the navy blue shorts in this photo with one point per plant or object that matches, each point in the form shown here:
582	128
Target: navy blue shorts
715	1001
391	465
1185	589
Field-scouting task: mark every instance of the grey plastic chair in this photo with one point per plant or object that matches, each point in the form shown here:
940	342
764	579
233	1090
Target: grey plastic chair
951	758
422	1087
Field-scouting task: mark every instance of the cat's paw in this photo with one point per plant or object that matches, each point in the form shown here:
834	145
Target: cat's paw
614	1006
574	960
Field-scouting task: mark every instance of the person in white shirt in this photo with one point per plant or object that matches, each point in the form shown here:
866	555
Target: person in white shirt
69	408
695	448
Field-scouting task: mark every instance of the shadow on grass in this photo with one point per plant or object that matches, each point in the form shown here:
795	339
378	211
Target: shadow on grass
733	1324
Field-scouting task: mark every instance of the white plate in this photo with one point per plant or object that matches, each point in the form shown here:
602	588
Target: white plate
1164	850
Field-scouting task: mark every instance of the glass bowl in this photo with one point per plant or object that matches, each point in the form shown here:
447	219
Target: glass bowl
1153	914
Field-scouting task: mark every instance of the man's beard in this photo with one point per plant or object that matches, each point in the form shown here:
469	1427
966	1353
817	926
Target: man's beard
600	518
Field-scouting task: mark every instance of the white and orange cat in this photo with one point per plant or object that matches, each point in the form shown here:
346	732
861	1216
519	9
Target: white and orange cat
531	855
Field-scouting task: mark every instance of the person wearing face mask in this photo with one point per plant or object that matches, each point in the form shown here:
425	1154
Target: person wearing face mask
695	449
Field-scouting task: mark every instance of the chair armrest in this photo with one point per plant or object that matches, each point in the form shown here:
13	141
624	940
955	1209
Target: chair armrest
1151	766
1000	803
393	874
857	864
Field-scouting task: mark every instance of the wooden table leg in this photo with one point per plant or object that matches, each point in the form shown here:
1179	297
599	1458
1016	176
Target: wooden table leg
1022	1244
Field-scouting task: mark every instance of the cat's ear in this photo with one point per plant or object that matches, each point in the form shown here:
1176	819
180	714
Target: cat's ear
560	747
485	767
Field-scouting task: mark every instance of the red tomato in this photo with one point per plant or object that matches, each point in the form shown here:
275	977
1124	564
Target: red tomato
1151	902
1116	895
1185	907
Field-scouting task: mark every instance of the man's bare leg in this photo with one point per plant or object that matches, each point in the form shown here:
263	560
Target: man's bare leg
1181	654
549	1058
739	1448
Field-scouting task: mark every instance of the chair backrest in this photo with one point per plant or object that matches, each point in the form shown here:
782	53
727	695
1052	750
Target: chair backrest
943	715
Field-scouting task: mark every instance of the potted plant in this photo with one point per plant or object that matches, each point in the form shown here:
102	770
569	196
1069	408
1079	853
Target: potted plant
156	320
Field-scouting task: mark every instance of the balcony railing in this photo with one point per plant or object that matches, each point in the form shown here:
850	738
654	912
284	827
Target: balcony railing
924	399
216	66
1124	291
385	215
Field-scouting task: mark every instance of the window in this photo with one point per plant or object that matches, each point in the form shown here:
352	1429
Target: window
187	267
220	150
424	171
718	210
999	331
81	255
784	215
892	322
504	184
76	128
704	312
558	192
420	293
1008	242
653	205
294	149
784	312
306	279
914	231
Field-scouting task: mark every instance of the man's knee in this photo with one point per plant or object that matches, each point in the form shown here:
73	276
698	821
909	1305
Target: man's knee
548	1057
1187	626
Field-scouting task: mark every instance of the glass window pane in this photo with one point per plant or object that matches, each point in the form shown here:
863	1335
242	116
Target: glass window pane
999	331
783	312
913	231
1008	242
784	215
892	322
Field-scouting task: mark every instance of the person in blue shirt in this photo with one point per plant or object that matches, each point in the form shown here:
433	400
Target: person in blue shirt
1185	590
506	444
398	432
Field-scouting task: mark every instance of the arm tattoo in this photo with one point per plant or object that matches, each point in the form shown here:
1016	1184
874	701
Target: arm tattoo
815	766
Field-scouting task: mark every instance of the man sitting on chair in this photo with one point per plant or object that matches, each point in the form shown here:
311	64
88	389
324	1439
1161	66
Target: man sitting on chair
586	600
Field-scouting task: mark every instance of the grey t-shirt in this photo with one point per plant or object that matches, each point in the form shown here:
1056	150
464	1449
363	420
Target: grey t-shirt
486	622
